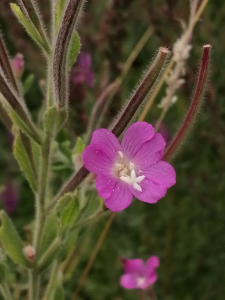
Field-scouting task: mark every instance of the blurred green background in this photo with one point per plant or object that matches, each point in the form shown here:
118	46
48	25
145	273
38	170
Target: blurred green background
186	228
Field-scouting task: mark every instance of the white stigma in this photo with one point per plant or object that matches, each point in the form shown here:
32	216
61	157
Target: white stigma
128	174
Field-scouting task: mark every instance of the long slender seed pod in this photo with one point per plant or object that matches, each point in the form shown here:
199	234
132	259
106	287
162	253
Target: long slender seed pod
194	107
5	64
127	114
60	71
141	93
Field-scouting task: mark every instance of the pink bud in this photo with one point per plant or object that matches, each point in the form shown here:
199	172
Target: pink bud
17	64
29	252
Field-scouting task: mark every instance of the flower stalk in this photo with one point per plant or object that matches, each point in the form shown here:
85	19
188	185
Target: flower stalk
194	107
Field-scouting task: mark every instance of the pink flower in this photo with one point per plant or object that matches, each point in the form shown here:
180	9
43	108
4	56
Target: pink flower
82	72
139	275
134	168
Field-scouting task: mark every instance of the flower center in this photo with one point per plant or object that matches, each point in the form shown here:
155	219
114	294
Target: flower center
140	281
127	173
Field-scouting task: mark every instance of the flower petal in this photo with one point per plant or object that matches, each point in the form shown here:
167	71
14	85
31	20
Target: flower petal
135	136
135	266
158	178
96	161
150	153
105	140
128	281
161	172
105	185
120	197
151	264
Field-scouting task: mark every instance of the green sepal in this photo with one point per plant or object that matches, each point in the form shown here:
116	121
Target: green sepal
29	27
22	158
11	241
79	147
74	49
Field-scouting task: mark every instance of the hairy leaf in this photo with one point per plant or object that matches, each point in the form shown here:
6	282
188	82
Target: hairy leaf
11	241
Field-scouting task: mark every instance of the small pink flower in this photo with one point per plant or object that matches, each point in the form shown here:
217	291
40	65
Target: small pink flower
134	168
139	275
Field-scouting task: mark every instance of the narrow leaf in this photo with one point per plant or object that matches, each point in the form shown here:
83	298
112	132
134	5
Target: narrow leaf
28	83
74	49
49	232
31	12
70	213
30	28
24	162
11	241
79	147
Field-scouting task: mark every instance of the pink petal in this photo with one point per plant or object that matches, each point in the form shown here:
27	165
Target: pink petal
158	178
105	140
162	173
152	263
135	136
150	153
128	281
134	266
120	197
105	185
96	161
152	277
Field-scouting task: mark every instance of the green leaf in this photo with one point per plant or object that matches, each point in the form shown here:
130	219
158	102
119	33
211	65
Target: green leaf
28	83
23	161
49	254
50	232
54	119
74	49
70	213
29	26
68	208
27	128
79	147
63	202
11	241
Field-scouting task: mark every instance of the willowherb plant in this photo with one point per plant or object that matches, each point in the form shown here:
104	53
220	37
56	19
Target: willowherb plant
137	167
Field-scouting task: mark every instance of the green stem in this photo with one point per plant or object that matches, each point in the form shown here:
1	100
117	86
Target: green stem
51	284
5	291
40	213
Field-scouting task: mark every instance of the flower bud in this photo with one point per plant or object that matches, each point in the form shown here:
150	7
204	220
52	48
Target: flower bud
17	64
29	252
